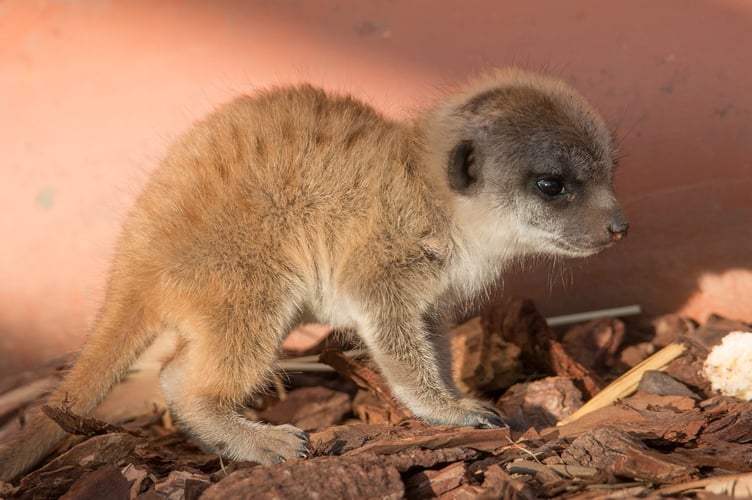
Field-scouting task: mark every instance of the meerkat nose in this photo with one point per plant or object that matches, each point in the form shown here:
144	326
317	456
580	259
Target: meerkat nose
618	230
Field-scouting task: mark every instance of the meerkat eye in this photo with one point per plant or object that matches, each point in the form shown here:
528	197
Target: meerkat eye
550	186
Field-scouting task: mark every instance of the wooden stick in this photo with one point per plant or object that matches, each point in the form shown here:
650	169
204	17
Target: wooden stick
627	383
568	319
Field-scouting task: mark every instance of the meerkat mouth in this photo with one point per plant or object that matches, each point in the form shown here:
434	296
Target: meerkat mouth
568	249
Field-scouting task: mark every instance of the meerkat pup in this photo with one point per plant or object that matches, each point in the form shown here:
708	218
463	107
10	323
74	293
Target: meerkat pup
295	203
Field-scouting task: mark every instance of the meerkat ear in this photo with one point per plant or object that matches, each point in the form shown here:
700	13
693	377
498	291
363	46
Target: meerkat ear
462	169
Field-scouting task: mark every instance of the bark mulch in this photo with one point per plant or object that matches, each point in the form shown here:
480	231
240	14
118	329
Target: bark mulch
671	438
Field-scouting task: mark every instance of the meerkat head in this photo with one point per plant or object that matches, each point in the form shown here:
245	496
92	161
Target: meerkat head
530	164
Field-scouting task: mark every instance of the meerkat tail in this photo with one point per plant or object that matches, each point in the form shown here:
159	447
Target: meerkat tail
117	341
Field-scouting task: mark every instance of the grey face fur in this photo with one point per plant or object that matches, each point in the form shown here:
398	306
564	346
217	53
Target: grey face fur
546	159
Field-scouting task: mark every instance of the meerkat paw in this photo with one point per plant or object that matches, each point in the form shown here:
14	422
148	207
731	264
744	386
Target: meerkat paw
281	442
265	444
467	413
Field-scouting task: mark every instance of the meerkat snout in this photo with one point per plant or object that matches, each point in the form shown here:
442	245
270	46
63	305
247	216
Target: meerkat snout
618	228
297	203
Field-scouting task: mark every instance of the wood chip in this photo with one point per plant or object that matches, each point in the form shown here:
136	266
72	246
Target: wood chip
309	408
77	425
434	483
563	470
343	438
348	477
487	440
495	484
55	478
105	482
719	455
177	482
518	322
481	359
729	420
14	401
623	456
663	384
539	404
365	377
595	344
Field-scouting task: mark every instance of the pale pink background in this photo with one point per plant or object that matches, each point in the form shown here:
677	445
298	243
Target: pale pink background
91	93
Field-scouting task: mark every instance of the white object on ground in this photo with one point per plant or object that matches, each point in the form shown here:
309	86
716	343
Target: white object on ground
727	367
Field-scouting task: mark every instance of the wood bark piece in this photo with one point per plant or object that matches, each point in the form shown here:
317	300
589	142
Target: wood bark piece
495	484
96	451
715	328
633	355
77	425
727	486
365	377
163	455
389	439
343	438
106	482
368	408
309	408
539	404
417	458
594	344
729	420
665	418
195	487
135	475
55	368
481	359
177	482
669	328
599	448
435	483
485	440
718	455
687	369
622	455
519	322
565	470
15	400
563	365
7	490
663	384
322	478
58	475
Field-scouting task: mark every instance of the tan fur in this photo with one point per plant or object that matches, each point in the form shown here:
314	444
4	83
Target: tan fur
291	203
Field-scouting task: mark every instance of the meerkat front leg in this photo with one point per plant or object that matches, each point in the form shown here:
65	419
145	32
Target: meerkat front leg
412	352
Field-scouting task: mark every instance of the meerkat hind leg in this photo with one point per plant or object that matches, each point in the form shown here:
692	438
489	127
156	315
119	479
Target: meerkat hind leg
205	404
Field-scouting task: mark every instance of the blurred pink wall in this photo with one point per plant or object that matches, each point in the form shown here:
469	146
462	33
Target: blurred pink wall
92	92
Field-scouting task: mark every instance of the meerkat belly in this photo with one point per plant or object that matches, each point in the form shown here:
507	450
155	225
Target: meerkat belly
332	306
